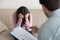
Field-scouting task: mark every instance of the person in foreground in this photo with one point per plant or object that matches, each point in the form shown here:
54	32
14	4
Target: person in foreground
50	30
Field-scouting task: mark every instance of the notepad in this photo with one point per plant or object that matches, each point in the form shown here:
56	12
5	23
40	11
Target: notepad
22	34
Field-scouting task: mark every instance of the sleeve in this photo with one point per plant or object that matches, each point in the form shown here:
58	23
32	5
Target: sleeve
29	23
14	21
19	23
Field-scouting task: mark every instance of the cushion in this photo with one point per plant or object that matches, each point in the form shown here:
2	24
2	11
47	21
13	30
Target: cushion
2	27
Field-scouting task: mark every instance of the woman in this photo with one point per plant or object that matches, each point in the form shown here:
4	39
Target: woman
23	18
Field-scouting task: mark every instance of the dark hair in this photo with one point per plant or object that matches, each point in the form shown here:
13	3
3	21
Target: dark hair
22	10
51	5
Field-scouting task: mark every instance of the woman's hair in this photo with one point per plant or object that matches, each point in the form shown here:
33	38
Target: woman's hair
22	10
51	5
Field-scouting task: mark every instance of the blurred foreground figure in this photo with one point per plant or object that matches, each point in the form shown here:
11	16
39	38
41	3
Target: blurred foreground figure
50	30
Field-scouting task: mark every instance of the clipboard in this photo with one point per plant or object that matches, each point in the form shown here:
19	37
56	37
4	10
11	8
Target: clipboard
22	34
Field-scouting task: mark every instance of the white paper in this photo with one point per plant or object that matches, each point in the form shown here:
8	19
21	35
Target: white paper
22	34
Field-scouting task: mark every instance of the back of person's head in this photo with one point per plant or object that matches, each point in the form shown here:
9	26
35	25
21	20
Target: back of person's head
51	5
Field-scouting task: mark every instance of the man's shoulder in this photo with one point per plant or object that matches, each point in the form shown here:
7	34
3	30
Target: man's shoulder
52	21
51	24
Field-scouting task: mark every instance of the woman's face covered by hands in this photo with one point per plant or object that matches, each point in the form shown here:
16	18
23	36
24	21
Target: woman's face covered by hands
21	16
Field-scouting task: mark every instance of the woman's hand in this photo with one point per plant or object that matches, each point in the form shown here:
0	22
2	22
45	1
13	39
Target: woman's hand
26	16
20	17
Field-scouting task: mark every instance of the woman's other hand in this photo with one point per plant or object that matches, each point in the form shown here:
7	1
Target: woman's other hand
26	16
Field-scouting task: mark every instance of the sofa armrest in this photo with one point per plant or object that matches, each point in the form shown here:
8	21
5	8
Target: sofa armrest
2	27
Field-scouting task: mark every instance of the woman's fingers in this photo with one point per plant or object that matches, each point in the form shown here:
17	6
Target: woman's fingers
21	16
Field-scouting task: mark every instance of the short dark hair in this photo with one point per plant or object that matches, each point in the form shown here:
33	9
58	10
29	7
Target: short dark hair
51	5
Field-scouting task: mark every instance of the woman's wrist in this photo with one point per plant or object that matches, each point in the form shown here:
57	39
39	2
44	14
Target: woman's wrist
20	19
26	19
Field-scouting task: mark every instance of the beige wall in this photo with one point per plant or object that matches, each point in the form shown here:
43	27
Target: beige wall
14	4
6	17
